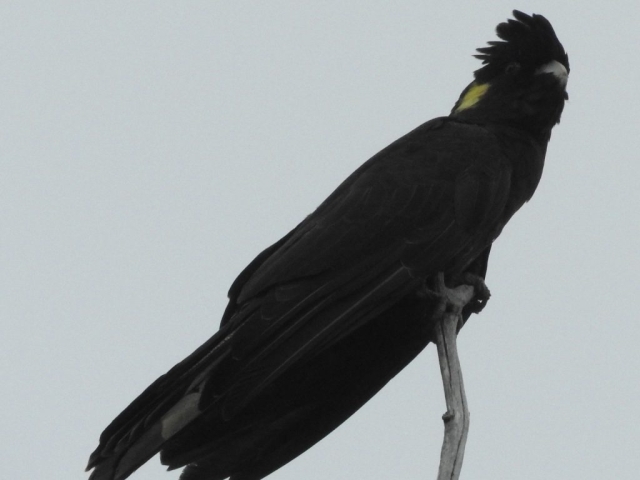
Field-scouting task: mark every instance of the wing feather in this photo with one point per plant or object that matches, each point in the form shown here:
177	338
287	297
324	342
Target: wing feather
427	203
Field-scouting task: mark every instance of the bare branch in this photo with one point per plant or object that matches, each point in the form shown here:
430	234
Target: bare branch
456	419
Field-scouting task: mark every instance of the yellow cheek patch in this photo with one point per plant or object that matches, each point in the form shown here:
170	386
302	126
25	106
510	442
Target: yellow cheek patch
473	96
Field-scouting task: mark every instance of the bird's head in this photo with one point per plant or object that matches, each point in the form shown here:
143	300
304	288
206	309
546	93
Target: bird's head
522	82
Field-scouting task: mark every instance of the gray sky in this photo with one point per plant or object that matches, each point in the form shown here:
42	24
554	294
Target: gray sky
149	150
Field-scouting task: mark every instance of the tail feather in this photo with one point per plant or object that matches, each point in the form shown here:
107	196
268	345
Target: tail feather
120	466
162	410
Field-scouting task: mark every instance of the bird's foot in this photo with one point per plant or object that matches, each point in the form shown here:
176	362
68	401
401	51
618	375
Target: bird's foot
481	292
469	291
439	290
454	298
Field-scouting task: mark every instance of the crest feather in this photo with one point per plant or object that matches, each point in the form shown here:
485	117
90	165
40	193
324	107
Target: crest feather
528	40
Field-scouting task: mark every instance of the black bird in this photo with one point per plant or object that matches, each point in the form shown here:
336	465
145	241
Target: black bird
320	321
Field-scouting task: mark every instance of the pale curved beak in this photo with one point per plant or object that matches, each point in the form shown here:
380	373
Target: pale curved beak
557	70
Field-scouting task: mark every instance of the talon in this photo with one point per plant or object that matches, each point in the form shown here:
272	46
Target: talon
458	297
470	294
481	292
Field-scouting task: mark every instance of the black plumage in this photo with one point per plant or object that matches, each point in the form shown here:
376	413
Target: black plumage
324	318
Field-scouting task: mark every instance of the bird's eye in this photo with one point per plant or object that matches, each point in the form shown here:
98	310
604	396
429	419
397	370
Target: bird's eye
512	68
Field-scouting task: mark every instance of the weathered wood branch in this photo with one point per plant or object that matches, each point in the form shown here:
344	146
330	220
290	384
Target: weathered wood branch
456	419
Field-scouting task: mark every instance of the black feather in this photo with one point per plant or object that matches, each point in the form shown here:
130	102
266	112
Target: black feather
528	40
320	321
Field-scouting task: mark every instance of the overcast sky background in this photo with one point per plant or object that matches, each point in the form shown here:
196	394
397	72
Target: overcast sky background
149	150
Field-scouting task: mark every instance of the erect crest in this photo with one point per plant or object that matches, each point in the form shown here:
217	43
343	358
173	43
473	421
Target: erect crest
528	41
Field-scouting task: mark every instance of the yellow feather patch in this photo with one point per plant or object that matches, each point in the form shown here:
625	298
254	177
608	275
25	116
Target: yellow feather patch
473	96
